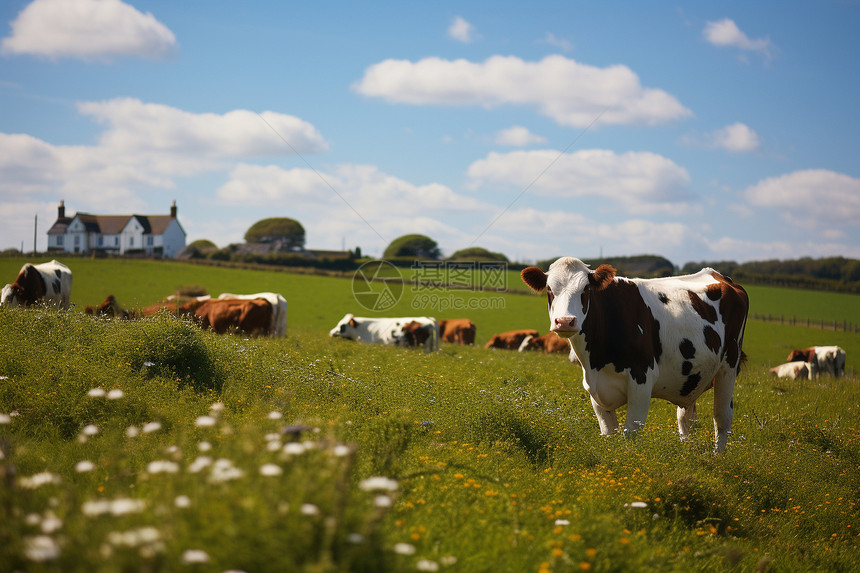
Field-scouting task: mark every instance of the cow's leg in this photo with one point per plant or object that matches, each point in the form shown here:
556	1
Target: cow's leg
686	418
724	387
638	402
606	419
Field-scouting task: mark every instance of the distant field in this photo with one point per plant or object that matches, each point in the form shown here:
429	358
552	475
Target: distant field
317	302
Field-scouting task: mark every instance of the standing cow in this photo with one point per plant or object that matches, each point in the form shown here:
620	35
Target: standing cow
50	282
827	359
637	339
279	308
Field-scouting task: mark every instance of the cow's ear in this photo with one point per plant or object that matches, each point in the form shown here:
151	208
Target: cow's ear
534	277
601	277
353	323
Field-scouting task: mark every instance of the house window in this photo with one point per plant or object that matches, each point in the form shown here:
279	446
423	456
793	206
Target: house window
149	241
131	241
59	240
77	240
116	241
101	241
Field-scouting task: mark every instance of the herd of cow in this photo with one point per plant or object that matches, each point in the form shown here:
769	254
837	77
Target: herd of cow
671	338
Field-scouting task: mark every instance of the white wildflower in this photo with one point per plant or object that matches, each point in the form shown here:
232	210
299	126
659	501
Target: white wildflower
217	407
224	470
204	422
426	565
382	501
638	504
273	446
51	523
96	507
562	522
150	427
90	430
294	448
115	394
38	480
132	432
5	419
448	560
309	509
271	470
275	415
84	466
355	538
404	549
199	463
378	483
96	393
41	548
341	450
192	556
182	501
126	505
204	446
162	466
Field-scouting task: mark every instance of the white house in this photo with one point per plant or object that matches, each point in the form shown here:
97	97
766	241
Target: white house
154	235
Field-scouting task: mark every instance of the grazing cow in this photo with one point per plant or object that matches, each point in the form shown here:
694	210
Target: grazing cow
457	330
827	359
110	307
795	370
50	282
548	343
177	306
637	339
510	340
279	308
386	330
252	317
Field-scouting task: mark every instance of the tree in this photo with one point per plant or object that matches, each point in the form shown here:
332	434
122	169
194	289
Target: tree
413	246
477	254
287	234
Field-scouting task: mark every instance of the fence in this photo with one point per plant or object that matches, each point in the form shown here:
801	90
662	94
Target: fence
823	324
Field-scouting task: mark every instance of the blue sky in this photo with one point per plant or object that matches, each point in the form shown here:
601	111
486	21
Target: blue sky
695	131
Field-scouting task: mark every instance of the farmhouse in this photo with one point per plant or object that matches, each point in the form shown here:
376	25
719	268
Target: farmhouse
154	235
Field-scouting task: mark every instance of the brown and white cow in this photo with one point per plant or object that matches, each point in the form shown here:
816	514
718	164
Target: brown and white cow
548	343
637	339
279	308
110	308
827	359
252	317
50	282
457	330
510	340
795	370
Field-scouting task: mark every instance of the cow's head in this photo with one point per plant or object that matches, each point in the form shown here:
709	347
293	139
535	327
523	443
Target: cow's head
11	295
567	283
346	328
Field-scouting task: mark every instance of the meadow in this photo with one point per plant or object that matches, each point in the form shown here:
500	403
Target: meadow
153	446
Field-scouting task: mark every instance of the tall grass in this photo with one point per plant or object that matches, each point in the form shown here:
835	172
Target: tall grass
224	453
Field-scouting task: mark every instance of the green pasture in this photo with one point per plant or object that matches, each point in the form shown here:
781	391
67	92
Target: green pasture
153	446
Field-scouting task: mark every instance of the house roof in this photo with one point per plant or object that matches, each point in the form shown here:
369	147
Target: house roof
114	224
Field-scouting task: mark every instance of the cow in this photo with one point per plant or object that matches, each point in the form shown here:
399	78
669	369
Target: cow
111	308
50	282
548	343
177	306
417	333
385	330
510	340
251	317
279	308
827	359
457	330
636	339
795	370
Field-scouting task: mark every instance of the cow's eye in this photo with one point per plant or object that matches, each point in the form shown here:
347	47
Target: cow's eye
549	296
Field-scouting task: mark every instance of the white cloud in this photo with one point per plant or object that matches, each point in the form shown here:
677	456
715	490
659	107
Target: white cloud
737	138
635	180
518	136
560	43
571	93
725	33
89	30
137	126
461	30
810	198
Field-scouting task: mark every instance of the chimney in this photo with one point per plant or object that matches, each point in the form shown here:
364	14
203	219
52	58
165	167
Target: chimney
61	210
173	210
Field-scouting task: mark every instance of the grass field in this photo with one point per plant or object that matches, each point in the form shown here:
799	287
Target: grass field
326	455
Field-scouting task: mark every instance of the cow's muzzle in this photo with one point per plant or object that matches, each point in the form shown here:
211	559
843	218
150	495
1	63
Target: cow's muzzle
565	326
